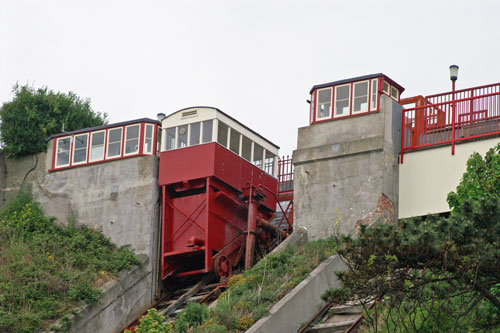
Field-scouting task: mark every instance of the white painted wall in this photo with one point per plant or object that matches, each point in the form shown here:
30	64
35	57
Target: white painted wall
427	176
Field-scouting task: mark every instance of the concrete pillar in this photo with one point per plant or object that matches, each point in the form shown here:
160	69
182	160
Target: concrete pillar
346	171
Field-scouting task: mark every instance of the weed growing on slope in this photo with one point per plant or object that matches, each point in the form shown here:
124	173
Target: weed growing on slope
47	269
251	295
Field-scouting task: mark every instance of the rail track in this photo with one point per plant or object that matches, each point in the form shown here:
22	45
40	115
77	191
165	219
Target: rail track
202	290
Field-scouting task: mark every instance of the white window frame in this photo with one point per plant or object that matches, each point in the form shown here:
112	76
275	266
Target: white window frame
374	83
69	151
335	115
107	143
103	146
317	104
145	138
124	145
73	148
367	96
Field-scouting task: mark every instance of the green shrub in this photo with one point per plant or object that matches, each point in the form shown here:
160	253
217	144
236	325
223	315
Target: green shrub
152	322
35	114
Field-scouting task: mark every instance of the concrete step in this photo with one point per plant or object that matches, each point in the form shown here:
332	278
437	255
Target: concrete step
331	327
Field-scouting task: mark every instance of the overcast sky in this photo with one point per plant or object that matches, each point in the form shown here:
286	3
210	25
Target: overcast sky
255	60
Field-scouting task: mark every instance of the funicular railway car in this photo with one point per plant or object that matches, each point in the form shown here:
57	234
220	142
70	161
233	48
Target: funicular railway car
218	183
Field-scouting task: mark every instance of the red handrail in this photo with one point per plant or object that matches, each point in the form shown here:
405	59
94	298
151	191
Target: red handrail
449	118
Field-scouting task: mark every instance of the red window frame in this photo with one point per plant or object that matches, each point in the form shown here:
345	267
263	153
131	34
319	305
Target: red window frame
142	127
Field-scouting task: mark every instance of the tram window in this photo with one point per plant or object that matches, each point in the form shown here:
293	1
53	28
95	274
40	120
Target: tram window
132	139
269	163
246	148
207	131
258	154
115	142
80	148
182	136
234	142
63	150
170	138
97	146
222	134
148	139
194	136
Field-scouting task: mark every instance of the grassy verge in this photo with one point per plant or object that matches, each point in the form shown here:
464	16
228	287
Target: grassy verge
250	295
46	269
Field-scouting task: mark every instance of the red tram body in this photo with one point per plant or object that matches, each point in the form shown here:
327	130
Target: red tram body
214	200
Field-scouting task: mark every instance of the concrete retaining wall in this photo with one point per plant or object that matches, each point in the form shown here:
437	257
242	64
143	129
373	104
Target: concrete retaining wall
299	305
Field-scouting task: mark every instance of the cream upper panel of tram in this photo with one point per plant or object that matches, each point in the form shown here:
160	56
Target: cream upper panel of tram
199	114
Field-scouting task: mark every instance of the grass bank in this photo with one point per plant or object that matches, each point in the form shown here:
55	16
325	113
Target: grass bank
46	269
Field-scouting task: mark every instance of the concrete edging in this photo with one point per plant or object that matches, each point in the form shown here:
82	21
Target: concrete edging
300	304
122	301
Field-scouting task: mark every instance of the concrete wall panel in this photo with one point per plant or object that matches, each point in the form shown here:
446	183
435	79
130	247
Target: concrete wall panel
427	176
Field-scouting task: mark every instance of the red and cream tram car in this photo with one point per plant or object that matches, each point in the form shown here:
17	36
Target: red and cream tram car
218	180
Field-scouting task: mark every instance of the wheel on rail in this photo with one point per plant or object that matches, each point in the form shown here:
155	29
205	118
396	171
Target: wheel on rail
222	267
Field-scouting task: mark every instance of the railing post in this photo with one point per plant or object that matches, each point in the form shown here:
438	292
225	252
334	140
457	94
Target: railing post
453	108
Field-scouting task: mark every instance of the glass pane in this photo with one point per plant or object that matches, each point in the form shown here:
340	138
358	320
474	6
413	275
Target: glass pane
222	134
394	93
246	148
114	149
234	141
115	135
207	131
63	144
170	138
80	155
258	152
360	97
342	92
81	141
386	88
147	145
62	158
182	138
360	89
342	107
149	131
269	165
195	134
342	95
97	153
133	132
97	138
132	146
325	96
324	110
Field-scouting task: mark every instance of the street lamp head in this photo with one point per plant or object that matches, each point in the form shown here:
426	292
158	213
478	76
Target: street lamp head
453	72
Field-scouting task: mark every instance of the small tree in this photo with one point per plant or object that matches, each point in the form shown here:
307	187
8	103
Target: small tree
35	114
437	272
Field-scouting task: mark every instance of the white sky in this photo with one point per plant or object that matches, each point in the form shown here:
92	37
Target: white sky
255	60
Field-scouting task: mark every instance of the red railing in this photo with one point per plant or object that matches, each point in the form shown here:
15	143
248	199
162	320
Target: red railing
451	117
285	175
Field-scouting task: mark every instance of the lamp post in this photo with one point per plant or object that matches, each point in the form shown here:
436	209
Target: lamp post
453	78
